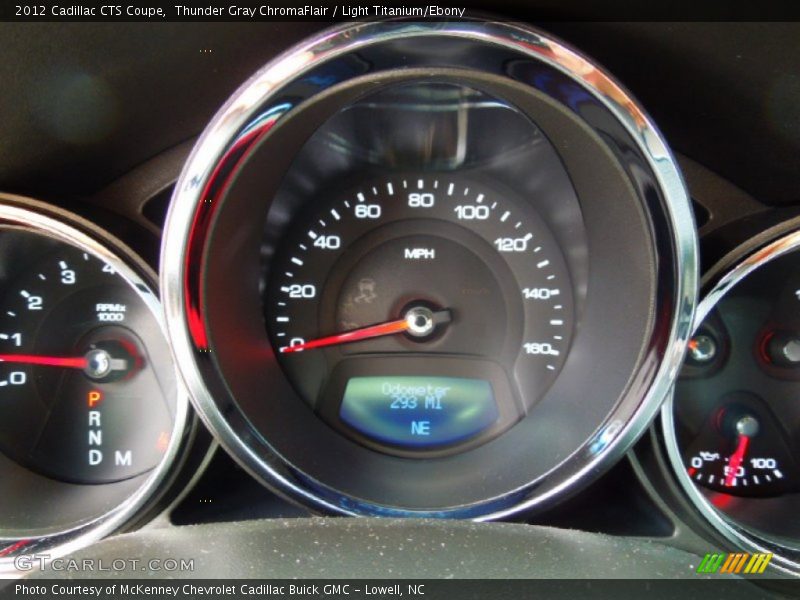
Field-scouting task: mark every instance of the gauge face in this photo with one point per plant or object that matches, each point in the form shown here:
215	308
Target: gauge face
735	412
397	291
420	312
741	449
86	390
92	419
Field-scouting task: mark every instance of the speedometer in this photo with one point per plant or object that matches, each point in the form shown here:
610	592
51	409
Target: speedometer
421	312
429	269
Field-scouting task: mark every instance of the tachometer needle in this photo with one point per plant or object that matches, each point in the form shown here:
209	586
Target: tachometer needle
80	362
735	461
418	321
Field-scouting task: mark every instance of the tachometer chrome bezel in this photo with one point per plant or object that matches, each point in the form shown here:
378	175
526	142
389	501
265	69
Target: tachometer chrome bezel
30	215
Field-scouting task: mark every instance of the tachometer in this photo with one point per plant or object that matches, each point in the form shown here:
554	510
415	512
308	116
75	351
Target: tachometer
87	385
93	421
401	282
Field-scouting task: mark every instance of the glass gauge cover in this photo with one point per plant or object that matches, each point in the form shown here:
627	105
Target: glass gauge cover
92	417
732	429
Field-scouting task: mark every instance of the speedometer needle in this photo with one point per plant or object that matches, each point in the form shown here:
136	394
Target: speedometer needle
419	321
80	362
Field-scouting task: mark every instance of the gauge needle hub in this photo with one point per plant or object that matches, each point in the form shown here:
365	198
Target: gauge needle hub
418	321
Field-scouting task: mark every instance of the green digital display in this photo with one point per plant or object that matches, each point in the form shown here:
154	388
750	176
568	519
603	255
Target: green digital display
418	411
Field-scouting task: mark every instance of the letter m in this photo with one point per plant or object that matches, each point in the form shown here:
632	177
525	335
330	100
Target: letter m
711	563
123	458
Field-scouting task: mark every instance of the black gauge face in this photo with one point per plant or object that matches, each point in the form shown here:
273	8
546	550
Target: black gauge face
420	313
398	291
736	409
87	394
741	449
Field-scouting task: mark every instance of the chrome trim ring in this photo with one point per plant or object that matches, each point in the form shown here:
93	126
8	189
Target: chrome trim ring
240	123
37	217
720	283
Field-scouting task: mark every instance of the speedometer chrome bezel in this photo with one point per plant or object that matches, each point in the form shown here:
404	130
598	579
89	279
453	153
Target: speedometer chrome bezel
213	163
721	279
25	214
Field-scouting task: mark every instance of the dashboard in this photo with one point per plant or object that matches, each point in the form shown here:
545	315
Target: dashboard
403	275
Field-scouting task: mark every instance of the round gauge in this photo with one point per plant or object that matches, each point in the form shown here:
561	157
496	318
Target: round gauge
409	272
377	300
732	429
91	415
89	390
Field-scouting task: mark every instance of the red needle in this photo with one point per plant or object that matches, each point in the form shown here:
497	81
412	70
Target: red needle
419	321
13	547
50	361
735	461
354	335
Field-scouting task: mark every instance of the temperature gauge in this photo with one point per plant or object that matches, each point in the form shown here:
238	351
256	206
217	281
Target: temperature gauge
742	451
732	427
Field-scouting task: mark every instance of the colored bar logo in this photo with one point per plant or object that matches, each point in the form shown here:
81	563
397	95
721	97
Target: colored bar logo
735	563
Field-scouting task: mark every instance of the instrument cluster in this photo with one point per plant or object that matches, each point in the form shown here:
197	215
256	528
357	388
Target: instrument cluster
409	269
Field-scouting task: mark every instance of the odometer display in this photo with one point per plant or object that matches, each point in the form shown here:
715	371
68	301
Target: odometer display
435	267
419	411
